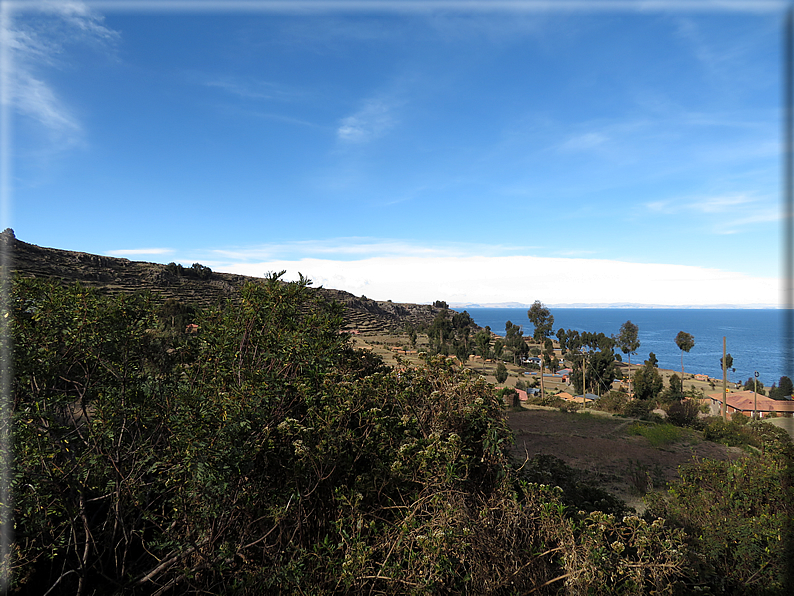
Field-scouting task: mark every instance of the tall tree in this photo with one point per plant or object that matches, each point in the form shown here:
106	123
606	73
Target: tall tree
483	341
501	372
461	351
628	342
563	339
573	342
783	390
543	321
647	382
786	387
728	363
601	372
440	332
514	340
754	385
685	342
676	389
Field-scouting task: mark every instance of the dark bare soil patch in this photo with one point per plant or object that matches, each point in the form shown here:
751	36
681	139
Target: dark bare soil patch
602	445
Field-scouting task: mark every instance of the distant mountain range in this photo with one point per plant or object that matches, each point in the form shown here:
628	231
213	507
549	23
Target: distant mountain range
458	305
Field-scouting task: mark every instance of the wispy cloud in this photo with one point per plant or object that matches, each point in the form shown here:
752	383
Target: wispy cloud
253	89
252	98
714	204
81	18
729	58
34	98
358	247
584	142
38	38
373	120
726	214
141	251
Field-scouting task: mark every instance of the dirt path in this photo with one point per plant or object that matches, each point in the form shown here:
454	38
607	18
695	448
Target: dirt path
602	444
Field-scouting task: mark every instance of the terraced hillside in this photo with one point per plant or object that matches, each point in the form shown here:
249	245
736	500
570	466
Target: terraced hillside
194	286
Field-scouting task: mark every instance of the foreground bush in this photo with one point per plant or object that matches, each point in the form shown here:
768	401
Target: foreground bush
264	455
737	518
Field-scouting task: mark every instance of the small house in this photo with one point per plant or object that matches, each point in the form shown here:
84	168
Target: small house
747	402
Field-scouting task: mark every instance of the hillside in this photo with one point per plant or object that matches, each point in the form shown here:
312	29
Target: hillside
197	287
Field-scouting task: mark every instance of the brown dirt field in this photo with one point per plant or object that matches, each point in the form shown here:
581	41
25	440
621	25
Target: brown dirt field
600	443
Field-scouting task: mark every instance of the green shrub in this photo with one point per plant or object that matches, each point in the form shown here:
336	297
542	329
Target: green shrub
614	402
501	372
580	490
657	434
736	515
265	455
642	478
638	408
550	401
509	396
683	413
731	433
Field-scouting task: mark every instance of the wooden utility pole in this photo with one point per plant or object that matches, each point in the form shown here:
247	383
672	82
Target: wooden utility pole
724	382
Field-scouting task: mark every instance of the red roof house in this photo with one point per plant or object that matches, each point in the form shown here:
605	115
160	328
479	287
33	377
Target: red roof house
746	401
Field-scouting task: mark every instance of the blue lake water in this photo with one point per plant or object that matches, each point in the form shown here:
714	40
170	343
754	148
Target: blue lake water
753	336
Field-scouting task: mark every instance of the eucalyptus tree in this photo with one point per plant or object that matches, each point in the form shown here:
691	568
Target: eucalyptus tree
562	337
498	348
514	340
728	363
483	341
685	342
628	342
647	382
543	321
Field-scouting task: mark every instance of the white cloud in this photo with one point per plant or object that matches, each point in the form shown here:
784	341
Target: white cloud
41	41
478	279
373	120
36	99
82	18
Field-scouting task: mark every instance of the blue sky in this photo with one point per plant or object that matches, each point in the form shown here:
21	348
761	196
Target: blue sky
408	151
